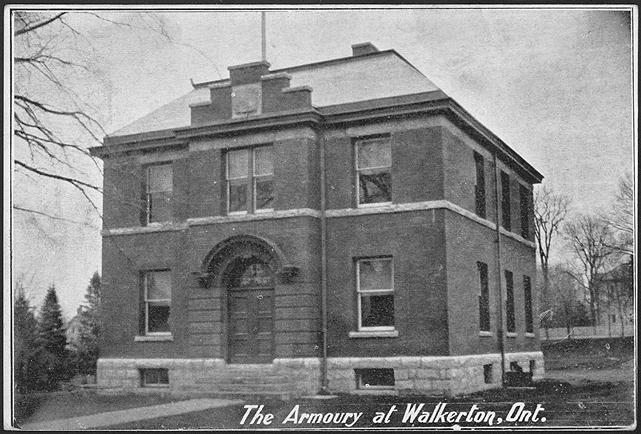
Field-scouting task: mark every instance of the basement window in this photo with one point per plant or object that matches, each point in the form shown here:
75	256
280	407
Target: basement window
157	377
532	366
374	378
487	373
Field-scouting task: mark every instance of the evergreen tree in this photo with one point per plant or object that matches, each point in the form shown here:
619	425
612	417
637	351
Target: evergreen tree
52	354
25	335
85	346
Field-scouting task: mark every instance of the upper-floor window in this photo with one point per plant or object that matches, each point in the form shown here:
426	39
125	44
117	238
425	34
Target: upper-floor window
246	100
159	191
156	301
479	188
524	203
250	180
509	302
375	291
505	201
374	170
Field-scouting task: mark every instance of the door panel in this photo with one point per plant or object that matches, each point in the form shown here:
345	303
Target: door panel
251	325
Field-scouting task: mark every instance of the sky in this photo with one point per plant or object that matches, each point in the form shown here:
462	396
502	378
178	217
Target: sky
555	84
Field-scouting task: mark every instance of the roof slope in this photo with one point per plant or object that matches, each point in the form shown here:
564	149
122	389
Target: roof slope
351	79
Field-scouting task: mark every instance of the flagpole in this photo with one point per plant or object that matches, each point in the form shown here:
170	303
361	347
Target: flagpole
263	37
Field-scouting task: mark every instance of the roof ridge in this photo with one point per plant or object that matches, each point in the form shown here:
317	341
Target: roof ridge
321	62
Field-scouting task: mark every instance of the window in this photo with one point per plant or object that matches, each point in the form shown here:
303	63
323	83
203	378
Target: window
509	302
374	378
479	190
487	373
375	290
250	180
532	366
374	167
505	201
246	100
527	294
154	377
156	302
484	298
159	189
524	203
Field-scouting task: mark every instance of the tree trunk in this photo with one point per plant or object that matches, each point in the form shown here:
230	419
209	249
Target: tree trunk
546	284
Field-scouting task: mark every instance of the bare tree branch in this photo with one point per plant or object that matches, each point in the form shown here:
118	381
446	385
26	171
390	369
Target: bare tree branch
32	27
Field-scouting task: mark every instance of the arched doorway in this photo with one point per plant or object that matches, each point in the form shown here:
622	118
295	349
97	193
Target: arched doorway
249	282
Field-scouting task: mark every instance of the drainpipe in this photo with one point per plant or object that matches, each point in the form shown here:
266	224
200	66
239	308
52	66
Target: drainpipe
499	331
323	233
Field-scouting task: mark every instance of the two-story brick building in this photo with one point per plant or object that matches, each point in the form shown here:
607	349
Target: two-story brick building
342	225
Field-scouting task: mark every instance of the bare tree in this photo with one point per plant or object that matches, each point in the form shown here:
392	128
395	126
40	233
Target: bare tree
621	216
590	239
550	210
56	96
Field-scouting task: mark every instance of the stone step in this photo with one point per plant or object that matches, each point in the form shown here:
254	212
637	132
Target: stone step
242	395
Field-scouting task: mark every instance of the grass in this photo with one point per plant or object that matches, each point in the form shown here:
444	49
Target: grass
587	353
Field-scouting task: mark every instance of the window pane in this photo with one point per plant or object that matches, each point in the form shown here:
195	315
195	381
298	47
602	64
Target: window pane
160	178
264	193
263	161
377	310
375	153
237	164
237	197
158	317
374	188
159	285
159	207
375	274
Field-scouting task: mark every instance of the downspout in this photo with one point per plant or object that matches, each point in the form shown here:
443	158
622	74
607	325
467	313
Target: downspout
323	234
499	331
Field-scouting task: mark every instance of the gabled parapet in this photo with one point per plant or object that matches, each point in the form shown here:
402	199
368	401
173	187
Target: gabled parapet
250	91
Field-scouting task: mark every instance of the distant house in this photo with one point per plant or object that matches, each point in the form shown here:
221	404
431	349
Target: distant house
342	225
616	288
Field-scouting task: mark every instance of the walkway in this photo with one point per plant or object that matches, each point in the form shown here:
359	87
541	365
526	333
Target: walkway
130	415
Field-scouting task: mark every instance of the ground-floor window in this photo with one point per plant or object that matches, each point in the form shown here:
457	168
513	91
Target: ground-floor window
527	294
509	302
157	377
156	303
484	298
374	378
375	291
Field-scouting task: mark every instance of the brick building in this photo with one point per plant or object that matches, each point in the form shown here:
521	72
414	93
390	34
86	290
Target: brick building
330	225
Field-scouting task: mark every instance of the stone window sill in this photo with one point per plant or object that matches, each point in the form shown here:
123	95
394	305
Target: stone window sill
530	335
511	334
154	338
374	334
484	333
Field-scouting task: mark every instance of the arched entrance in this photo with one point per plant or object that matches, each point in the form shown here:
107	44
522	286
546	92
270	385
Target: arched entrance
250	310
246	269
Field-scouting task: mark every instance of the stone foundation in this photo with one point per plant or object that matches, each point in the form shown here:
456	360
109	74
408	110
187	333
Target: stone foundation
447	375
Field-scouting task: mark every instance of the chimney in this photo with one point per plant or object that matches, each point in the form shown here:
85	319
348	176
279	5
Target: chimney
363	48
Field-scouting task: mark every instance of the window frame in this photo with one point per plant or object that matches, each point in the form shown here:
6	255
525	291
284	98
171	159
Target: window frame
484	287
525	206
527	304
146	302
510	305
148	192
359	293
506	201
143	377
480	198
249	180
371	170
